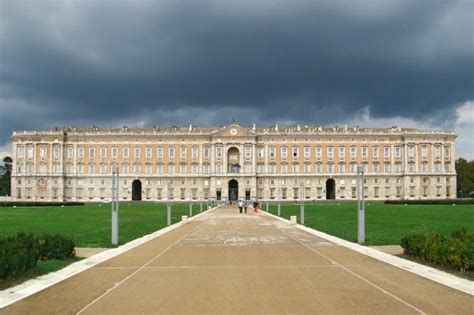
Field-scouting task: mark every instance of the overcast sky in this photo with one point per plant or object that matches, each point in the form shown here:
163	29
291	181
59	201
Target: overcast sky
144	63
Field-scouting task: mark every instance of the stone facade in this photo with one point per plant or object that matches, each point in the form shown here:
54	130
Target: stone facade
229	162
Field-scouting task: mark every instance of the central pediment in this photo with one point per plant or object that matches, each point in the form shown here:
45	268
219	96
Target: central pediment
233	130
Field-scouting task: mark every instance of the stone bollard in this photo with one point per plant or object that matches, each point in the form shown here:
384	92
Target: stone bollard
184	219
293	220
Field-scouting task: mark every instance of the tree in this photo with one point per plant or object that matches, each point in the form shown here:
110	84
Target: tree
5	180
465	179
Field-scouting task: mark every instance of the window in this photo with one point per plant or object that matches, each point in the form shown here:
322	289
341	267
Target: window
206	152
353	168
364	152
386	167
206	168
411	151
386	152
114	153
307	152
398	152
182	153
284	152
376	152
70	152
91	169
261	152
182	168
342	168
318	152
446	152
319	168
103	169
20	151
284	168
272	152
376	167
353	152
296	168
29	151
80	152
330	152
447	167
272	168
437	167
92	153
248	152
171	153
195	168
218	168
195	153
137	153
159	169
170	169
398	167
159	153
125	168
103	152
307	168
295	152
424	167
424	152
148	169
126	153
260	168
43	151
342	152
219	152
330	168
80	168
411	167
148	153
437	151
136	168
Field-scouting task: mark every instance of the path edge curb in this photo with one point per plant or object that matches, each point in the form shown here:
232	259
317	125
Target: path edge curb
433	274
30	287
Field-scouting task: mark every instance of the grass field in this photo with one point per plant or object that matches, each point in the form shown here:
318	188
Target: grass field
385	224
89	225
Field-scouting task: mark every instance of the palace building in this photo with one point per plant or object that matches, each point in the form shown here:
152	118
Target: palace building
233	162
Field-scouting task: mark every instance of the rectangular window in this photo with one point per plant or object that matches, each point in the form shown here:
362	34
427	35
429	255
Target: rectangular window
136	168
182	153
206	168
272	152
411	167
330	152
446	152
114	153
307	152
218	168
148	153
91	153
307	168
103	169
411	151
195	153
437	152
342	152
43	151
398	152
137	153
386	152
159	169
80	169
91	169
284	168
125	168
376	167
353	152
424	167
103	152
20	151
295	152
126	153
424	152
296	168
353	168
364	152
318	152
261	152
195	168
206	153
342	168
330	168
70	152
182	168
170	168
219	152
80	152
387	167
319	168
171	153
148	169
248	152
376	152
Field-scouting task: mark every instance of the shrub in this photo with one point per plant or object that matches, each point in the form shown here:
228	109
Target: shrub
456	251
55	247
18	254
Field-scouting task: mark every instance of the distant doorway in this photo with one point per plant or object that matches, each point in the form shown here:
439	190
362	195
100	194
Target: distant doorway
247	195
233	190
136	190
330	189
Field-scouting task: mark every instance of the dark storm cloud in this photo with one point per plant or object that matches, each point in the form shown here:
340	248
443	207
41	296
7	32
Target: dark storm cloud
313	62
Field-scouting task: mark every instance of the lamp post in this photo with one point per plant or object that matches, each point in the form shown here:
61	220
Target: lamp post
360	206
115	206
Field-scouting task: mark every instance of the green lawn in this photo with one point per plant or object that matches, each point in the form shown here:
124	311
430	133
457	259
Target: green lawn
385	224
90	225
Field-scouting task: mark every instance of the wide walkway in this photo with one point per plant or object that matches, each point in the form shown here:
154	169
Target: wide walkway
230	263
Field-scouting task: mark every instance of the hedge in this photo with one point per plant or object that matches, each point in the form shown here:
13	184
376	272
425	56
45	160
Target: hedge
20	253
455	251
464	201
38	204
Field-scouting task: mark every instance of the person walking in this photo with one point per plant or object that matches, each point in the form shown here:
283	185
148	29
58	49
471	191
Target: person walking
255	207
246	204
241	205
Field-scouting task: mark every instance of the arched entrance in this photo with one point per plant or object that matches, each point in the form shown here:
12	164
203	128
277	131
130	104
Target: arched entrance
136	190
233	190
330	189
233	157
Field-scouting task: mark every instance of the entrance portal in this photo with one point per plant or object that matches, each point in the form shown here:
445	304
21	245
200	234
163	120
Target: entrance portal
233	190
330	189
136	190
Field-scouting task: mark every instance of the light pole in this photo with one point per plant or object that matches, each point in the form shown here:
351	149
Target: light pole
360	206
115	205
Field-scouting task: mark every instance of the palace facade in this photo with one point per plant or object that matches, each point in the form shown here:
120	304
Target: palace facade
233	162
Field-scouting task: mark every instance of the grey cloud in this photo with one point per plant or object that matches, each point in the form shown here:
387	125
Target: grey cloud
306	61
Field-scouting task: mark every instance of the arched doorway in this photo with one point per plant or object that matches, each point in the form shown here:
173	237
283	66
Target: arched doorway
136	190
330	189
233	158
233	190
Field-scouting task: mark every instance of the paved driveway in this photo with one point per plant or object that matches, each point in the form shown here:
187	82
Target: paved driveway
230	263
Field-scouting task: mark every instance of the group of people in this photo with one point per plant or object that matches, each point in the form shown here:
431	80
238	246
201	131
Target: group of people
243	205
